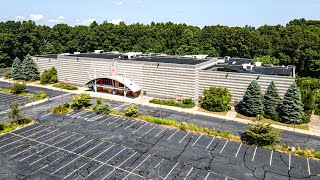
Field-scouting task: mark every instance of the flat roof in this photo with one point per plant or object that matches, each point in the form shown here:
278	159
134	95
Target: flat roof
155	59
53	56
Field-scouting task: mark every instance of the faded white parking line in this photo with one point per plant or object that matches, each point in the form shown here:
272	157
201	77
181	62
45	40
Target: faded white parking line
184	137
88	163
188	173
122	123
308	167
197	140
47	147
131	125
163	129
75	159
107	119
254	154
271	157
210	143
113	169
238	150
171	170
136	167
55	151
173	134
21	133
94	118
150	130
289	161
32	146
139	128
21	139
77	114
224	146
158	164
207	176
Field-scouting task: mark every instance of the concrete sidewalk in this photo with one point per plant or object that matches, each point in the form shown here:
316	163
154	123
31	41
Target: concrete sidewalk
231	116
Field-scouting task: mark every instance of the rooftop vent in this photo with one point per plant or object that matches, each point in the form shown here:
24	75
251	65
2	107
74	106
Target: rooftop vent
98	51
258	64
76	53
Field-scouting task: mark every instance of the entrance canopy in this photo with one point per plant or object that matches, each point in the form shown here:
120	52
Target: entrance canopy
125	81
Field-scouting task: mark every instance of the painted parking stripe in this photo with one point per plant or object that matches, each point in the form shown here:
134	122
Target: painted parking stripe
21	133
289	161
308	167
113	169
55	151
88	163
31	146
139	128
271	157
210	142
64	155
188	173
22	139
77	114
122	123
47	147
171	170
197	140
75	159
224	146
184	137
114	121
163	129
207	176
254	154
136	167
24	144
131	125
150	130
238	150
173	134
95	118
158	164
106	119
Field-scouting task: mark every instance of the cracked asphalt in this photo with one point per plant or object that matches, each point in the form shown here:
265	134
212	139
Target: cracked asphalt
84	145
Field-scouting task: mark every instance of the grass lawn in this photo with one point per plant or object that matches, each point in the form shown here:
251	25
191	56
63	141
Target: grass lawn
218	113
298	126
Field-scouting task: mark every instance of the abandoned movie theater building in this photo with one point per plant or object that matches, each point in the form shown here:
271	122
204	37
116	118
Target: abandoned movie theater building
163	76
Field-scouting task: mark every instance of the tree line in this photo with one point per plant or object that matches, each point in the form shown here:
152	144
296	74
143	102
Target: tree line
297	43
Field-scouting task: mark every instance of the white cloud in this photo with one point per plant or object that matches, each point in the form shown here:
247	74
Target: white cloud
116	21
85	21
36	17
118	3
20	18
58	20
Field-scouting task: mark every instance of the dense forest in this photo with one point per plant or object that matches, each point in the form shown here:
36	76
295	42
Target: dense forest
297	43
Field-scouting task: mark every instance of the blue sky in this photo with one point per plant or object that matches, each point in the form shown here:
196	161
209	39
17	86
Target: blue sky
193	12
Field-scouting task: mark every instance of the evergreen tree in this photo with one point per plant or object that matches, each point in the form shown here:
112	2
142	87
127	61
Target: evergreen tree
271	100
292	107
252	103
16	69
29	69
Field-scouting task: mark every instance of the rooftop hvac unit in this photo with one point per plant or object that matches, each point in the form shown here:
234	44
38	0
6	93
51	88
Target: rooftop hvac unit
258	64
247	67
76	53
227	58
98	51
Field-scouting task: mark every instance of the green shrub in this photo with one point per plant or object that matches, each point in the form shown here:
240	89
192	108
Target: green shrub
99	101
61	109
161	121
261	134
132	111
40	95
65	86
14	112
5	127
172	103
7	75
216	99
187	101
117	112
80	101
24	121
18	88
305	118
103	109
49	76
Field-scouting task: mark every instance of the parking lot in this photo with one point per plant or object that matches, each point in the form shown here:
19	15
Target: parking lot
6	99
83	145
